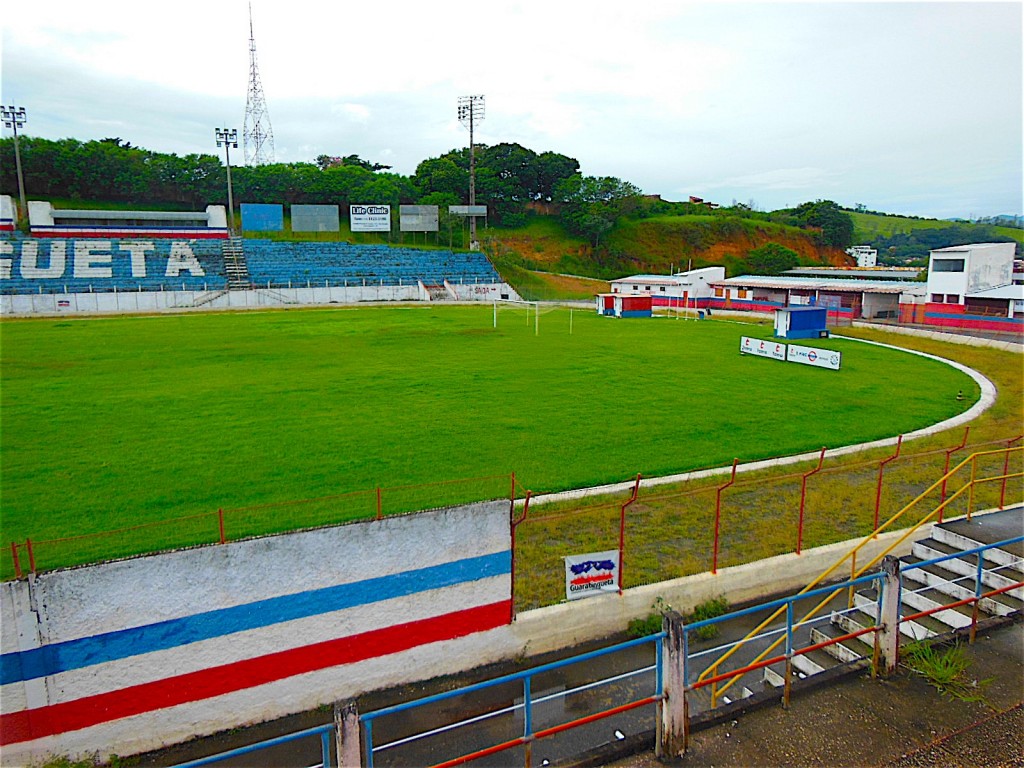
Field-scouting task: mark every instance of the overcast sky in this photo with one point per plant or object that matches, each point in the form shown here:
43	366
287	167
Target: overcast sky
912	108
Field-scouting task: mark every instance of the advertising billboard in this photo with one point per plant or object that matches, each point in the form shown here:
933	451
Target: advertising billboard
262	217
820	358
417	218
763	348
315	218
467	210
592	574
370	218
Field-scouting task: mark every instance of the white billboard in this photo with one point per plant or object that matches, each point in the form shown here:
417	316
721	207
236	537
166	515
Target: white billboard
417	218
592	574
763	348
467	210
821	358
369	218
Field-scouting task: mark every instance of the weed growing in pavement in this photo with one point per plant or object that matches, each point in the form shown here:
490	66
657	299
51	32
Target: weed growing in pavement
946	670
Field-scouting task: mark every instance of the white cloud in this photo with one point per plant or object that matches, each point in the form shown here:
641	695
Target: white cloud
911	103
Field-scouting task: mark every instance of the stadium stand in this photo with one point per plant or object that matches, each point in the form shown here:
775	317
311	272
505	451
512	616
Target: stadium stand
41	266
279	265
30	265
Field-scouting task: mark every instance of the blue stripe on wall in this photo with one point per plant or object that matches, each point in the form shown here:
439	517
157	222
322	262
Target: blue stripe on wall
111	646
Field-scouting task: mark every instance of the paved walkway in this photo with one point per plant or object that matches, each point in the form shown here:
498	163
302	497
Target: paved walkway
900	722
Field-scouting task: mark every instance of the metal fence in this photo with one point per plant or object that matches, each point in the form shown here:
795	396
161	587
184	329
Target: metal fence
235	523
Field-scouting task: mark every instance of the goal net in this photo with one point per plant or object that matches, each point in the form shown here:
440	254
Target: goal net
525	312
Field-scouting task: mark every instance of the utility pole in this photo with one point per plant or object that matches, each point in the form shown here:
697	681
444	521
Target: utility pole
228	137
14	118
471	109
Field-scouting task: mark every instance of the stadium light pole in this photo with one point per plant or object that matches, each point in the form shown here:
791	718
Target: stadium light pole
228	137
471	109
14	118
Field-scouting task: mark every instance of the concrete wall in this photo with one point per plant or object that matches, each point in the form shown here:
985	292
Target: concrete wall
133	631
127	656
7	214
877	303
158	301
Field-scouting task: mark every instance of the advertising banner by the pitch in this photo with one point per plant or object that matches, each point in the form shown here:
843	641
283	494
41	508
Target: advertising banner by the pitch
822	358
592	574
370	218
763	348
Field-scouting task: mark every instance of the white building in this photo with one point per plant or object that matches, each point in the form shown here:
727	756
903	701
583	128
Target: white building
865	255
958	272
692	288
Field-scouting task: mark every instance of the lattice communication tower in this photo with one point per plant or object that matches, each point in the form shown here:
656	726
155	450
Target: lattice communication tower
257	135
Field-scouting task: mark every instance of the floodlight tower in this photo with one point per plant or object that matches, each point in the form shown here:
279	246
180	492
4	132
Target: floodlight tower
257	134
227	138
14	118
471	110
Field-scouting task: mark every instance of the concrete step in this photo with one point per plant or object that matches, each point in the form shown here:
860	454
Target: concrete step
960	587
915	630
962	542
919	596
842	652
805	666
929	549
773	678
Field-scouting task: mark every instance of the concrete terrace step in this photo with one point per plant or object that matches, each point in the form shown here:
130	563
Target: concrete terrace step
962	588
919	596
930	549
807	664
843	652
962	542
915	630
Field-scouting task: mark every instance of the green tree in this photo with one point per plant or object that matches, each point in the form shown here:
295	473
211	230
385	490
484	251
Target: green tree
592	204
771	259
835	225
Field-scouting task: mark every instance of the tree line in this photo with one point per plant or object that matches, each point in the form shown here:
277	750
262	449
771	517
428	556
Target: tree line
509	178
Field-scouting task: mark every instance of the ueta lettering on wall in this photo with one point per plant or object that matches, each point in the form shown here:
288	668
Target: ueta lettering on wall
93	259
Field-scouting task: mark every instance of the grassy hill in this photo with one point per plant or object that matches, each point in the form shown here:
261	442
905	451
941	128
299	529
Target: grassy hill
537	258
867	226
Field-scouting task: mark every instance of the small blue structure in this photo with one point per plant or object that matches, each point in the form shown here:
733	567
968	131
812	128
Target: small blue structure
801	322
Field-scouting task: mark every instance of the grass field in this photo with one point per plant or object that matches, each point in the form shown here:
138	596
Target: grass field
111	422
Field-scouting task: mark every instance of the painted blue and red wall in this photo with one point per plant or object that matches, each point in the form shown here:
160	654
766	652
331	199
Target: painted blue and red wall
956	316
125	656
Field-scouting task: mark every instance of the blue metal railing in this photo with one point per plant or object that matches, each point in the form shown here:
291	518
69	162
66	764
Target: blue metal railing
325	732
526	677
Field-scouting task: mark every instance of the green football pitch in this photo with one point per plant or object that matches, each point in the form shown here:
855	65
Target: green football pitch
115	422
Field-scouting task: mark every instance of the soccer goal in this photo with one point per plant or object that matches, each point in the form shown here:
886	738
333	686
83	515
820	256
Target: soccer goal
518	311
511	311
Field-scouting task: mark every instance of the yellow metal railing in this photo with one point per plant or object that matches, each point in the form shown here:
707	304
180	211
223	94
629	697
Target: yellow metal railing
855	572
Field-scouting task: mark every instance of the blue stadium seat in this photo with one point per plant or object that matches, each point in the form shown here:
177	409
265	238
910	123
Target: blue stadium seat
281	264
270	263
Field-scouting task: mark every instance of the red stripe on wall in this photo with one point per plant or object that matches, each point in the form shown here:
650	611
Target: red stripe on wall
32	724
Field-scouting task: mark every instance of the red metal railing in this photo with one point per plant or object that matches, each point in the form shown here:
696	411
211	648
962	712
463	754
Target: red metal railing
231	524
718	514
803	500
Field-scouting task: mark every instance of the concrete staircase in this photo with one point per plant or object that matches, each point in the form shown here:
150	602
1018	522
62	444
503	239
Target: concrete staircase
235	267
922	589
437	292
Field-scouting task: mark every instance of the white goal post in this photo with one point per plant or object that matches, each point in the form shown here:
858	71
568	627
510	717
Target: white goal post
529	309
